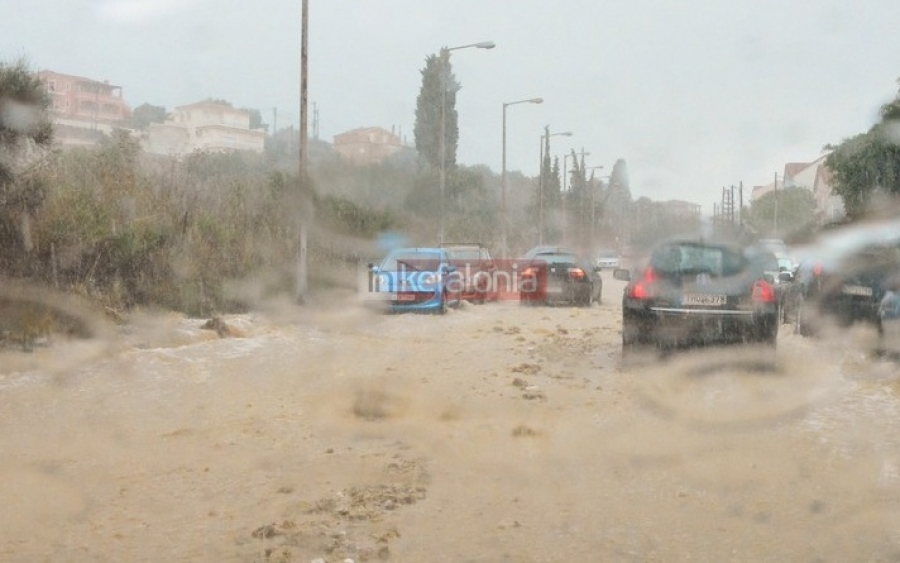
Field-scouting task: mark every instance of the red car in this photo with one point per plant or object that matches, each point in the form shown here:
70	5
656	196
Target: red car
476	269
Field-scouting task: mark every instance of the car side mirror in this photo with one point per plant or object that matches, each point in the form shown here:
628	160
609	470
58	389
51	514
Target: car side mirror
622	274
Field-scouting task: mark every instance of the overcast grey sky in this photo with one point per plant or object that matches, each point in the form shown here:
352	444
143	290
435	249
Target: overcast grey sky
693	94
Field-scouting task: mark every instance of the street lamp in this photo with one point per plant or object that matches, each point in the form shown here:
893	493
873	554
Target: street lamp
545	139
503	247
445	56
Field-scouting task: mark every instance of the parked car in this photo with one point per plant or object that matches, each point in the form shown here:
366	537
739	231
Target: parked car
846	289
477	271
606	259
695	291
557	275
779	271
416	280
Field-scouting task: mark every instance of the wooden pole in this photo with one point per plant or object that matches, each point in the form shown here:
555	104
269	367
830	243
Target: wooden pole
302	271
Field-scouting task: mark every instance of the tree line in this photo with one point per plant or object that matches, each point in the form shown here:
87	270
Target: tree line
212	232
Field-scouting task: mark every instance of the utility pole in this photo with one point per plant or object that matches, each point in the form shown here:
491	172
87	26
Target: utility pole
445	54
305	202
541	187
776	205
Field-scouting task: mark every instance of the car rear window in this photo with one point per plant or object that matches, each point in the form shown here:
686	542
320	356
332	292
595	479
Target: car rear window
683	259
466	256
556	258
413	261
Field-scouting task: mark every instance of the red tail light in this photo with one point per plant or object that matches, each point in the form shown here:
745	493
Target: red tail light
763	292
577	273
639	290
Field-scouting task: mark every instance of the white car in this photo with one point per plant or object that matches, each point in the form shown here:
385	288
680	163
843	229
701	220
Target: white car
607	259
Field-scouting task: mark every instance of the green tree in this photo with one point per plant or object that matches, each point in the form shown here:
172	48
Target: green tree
26	133
256	120
869	163
24	118
548	194
438	90
783	211
578	211
145	114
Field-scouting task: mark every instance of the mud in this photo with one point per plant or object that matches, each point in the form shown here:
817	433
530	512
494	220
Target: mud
494	433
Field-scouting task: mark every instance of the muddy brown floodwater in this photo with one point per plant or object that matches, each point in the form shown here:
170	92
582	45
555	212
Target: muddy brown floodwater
494	433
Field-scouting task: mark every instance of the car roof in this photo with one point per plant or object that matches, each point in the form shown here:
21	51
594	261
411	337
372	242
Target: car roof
547	250
703	241
461	245
419	250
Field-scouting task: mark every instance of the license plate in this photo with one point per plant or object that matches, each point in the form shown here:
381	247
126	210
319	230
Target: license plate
705	299
860	290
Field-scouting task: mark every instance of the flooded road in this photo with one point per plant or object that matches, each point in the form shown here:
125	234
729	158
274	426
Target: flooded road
494	433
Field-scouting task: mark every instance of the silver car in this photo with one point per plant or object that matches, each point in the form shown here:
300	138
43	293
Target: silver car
607	259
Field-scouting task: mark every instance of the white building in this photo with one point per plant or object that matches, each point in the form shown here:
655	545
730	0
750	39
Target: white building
204	126
814	176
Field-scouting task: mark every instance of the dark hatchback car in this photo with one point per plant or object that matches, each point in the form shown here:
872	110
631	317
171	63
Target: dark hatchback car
694	292
551	275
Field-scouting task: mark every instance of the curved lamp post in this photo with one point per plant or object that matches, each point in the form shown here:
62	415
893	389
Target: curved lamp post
443	179
503	245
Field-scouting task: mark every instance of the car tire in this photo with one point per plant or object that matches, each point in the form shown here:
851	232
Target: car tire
636	348
442	310
632	339
801	318
767	332
584	301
